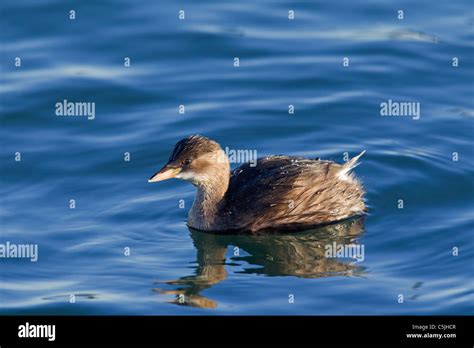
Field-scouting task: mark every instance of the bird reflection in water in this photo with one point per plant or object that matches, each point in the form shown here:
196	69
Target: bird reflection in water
297	254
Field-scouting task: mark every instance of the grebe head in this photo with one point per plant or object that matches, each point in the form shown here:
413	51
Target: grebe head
196	159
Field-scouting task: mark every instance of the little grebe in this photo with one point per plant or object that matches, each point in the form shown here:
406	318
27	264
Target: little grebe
278	193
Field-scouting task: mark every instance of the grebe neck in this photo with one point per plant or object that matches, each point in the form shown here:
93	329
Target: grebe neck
209	197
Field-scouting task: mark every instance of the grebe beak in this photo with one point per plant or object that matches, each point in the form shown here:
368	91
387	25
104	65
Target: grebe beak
167	172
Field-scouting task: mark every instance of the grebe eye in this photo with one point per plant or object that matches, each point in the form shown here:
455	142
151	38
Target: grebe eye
187	161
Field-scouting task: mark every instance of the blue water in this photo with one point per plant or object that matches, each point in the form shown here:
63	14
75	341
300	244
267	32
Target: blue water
190	62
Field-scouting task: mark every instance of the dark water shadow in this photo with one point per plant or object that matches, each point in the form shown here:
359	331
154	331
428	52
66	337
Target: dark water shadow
297	254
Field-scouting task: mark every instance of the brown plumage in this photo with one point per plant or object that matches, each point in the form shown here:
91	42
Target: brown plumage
278	193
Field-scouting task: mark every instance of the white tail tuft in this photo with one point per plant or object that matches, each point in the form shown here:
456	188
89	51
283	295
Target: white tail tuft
344	173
